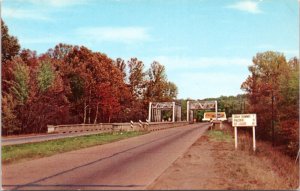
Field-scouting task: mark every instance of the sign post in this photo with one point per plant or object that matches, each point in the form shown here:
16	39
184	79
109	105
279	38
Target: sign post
253	132
235	137
244	120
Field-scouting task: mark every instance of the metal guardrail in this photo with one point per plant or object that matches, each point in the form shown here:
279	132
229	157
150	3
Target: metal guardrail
113	127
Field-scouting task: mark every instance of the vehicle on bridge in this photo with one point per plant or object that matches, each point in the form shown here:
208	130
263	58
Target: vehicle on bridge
212	115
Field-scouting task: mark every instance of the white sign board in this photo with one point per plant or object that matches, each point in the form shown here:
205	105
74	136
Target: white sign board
243	120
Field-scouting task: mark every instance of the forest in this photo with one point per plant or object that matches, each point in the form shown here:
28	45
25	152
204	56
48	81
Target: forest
72	84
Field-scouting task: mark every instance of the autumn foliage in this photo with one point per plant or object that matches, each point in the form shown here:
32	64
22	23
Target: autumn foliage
275	81
72	84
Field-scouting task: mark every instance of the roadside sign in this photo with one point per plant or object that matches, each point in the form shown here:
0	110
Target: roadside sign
243	120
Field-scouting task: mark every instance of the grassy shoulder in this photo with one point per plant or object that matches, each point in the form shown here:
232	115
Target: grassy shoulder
22	152
244	169
219	136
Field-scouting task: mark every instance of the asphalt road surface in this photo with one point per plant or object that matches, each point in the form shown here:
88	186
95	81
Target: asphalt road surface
128	164
39	138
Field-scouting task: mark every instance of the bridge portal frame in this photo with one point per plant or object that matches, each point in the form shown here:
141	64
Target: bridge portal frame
197	105
155	109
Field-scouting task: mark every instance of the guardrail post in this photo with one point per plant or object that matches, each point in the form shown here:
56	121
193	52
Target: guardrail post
50	128
147	124
173	115
114	128
140	124
188	111
150	111
131	124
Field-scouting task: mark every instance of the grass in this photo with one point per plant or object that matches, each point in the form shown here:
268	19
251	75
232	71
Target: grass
244	169
219	136
23	152
285	172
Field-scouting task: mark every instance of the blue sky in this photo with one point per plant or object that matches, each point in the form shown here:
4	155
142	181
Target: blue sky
205	45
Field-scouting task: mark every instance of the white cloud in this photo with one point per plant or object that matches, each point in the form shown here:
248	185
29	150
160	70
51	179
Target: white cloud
54	3
41	10
62	3
246	5
25	14
174	63
126	35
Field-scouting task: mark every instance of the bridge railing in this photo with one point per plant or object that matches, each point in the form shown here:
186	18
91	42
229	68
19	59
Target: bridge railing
113	127
76	128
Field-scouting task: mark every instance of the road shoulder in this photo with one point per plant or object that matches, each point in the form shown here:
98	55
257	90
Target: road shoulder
193	170
214	164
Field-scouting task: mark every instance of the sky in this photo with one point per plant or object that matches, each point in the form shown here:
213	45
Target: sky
206	46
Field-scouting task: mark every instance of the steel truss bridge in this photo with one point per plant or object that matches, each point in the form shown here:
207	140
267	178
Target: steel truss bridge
156	108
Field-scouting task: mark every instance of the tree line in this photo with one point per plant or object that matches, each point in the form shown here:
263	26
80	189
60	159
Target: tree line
72	84
272	92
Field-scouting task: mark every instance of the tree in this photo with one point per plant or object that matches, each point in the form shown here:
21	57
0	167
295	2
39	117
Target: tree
158	87
271	94
288	103
75	69
156	82
136	78
30	58
232	104
10	122
72	84
120	64
14	81
171	91
96	83
45	75
20	84
10	44
60	51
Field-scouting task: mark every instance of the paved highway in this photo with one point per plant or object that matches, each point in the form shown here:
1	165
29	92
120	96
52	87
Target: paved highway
128	164
38	138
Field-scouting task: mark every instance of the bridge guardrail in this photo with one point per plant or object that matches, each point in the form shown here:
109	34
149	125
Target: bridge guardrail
113	127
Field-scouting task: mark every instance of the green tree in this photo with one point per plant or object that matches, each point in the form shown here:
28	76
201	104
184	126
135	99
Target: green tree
136	78
10	122
171	91
20	85
45	75
156	84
